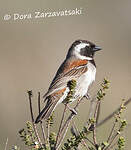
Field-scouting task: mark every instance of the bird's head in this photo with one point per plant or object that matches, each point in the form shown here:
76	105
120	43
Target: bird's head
83	49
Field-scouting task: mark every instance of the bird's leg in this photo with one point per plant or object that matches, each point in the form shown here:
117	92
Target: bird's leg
72	110
87	95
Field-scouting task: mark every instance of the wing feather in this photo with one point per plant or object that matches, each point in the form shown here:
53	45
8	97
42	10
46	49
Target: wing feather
63	77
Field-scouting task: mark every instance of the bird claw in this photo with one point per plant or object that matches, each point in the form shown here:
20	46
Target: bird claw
88	96
72	110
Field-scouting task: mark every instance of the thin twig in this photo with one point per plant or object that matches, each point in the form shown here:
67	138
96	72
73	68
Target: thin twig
48	133
61	123
43	131
6	143
41	124
112	114
111	147
111	133
84	144
95	117
71	115
32	117
66	125
77	133
64	130
111	141
75	129
92	107
98	112
90	141
39	102
30	101
37	135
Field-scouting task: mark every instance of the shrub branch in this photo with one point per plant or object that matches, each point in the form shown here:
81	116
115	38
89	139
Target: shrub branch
53	141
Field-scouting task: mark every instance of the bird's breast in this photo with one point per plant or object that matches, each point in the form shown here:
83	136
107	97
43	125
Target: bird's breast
85	80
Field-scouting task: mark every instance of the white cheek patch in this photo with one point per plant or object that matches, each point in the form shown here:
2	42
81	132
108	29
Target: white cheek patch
83	57
80	46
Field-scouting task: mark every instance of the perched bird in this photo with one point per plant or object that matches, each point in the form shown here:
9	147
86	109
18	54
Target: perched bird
79	65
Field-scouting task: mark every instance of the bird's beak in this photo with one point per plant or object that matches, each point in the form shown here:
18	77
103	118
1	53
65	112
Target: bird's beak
97	48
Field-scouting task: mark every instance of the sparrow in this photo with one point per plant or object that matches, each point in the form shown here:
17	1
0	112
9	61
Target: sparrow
80	66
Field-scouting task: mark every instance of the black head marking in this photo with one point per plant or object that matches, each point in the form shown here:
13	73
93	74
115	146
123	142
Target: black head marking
84	48
88	50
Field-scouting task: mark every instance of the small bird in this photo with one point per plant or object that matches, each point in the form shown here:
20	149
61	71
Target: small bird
80	66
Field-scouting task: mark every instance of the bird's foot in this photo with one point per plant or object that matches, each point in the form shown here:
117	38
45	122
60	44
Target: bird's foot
72	110
87	96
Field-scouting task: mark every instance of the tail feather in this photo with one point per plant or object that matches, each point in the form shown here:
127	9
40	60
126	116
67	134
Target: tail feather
46	112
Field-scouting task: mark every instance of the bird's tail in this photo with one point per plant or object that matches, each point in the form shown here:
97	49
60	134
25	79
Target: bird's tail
46	112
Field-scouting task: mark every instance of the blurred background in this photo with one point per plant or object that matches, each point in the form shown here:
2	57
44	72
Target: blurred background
32	50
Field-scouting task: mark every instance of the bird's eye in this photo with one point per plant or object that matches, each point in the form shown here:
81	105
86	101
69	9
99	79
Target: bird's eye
87	47
92	46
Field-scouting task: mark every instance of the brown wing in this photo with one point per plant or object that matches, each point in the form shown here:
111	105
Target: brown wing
68	70
50	105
